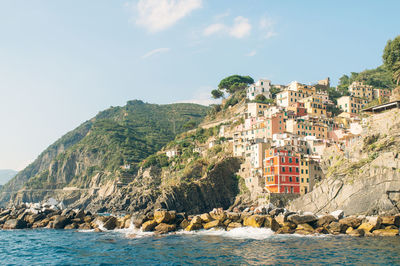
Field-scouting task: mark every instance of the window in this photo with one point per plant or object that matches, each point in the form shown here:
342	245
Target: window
283	169
297	169
290	179
283	160
297	179
290	160
302	180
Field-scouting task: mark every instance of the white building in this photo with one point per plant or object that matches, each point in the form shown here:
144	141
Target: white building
260	87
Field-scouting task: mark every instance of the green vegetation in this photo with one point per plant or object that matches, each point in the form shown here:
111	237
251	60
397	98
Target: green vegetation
262	99
235	83
123	136
274	91
391	58
217	94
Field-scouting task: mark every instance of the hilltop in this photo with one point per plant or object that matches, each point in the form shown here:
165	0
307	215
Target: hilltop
6	175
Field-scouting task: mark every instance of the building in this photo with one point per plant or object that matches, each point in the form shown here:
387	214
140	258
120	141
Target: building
171	153
314	106
274	124
381	93
359	89
304	127
351	104
298	109
260	87
310	173
256	109
287	97
281	171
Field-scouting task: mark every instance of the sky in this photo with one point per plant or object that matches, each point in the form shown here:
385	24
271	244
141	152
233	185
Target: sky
61	62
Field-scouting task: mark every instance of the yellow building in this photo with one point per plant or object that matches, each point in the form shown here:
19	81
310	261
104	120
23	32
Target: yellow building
310	173
314	106
304	128
359	89
351	104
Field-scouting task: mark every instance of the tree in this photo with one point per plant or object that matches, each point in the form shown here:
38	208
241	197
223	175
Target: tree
396	73
260	98
217	94
235	83
274	91
391	57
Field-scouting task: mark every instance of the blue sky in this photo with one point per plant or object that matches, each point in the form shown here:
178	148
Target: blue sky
61	62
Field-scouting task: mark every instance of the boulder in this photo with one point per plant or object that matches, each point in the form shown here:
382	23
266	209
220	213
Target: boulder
375	221
280	219
206	217
390	220
184	224
285	230
233	216
88	219
357	232
164	228
149	226
71	226
321	230
193	226
336	228
276	211
339	214
305	227
14	224
111	223
325	220
138	220
303	232
226	222
212	224
254	221
386	232
233	225
59	222
80	214
196	220
301	219
218	214
351	221
163	216
85	226
270	222
35	217
390	227
367	227
5	212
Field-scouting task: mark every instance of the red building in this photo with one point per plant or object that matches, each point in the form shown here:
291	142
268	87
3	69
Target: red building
281	171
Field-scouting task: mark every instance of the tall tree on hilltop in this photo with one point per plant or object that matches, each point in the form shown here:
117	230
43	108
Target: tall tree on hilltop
235	83
391	57
216	94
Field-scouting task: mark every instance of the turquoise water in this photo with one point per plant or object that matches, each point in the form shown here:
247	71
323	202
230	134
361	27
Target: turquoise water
244	246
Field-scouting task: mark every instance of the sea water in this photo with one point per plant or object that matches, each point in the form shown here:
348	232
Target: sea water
239	246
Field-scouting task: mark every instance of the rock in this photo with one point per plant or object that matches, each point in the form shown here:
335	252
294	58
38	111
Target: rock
206	217
305	227
196	220
325	220
88	219
179	217
391	220
321	230
80	214
351	221
233	225
391	227
270	222
254	221
226	222
303	232
138	220
348	230
35	217
185	223
357	232
42	223
164	228
375	221
163	216
60	222
290	225
193	226
285	230
85	226
367	227
280	219
98	230
5	212
111	223
218	214
233	216
336	228
149	226
301	219
339	214
212	224
386	232
71	226
14	224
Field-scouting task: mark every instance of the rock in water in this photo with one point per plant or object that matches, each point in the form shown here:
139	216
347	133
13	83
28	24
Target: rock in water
254	221
149	225
212	224
163	216
164	228
111	223
301	219
60	222
14	224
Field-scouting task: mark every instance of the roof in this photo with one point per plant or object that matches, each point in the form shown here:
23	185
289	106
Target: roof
382	107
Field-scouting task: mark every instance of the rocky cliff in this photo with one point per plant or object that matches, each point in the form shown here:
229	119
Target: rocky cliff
365	178
90	158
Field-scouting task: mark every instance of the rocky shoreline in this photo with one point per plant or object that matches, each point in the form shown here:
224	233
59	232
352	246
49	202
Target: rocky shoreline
279	220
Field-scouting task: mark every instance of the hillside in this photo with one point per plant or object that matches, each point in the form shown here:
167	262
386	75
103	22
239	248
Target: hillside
6	175
116	137
365	178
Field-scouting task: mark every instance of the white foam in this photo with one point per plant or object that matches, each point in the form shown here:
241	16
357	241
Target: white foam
237	233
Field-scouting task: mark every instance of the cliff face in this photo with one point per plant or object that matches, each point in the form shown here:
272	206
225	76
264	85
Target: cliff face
365	178
89	158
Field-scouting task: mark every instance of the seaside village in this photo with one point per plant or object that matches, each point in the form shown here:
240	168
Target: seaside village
282	143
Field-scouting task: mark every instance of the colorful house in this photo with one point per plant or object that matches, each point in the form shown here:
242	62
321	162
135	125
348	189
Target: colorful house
281	171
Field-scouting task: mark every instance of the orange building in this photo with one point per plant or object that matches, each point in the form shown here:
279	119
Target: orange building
281	171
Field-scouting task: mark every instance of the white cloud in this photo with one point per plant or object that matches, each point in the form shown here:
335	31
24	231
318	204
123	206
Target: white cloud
156	51
203	97
158	15
214	28
241	27
252	53
267	27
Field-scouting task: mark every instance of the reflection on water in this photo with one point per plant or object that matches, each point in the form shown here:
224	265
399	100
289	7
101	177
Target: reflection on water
244	246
